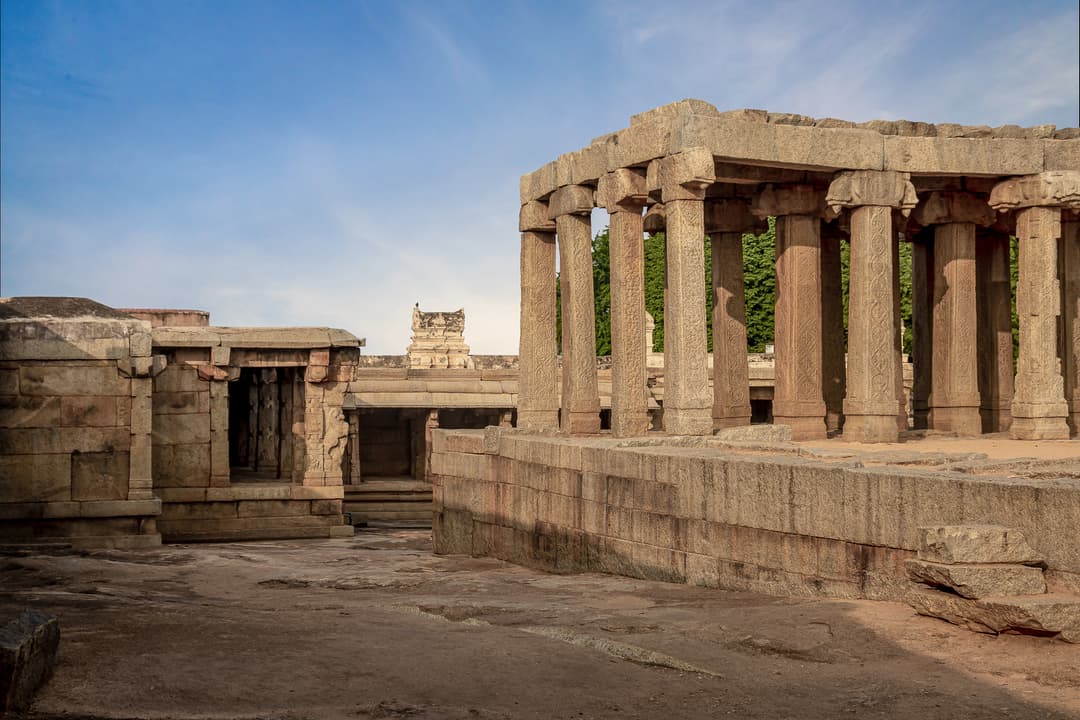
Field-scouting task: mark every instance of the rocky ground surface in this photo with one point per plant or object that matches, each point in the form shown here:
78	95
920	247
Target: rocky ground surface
377	627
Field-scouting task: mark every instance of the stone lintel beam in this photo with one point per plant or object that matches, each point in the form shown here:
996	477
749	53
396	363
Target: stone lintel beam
655	218
686	175
622	190
1059	188
940	208
731	215
736	174
779	200
533	217
570	200
878	188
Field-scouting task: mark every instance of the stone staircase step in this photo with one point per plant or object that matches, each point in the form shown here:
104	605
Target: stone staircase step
967	544
1056	614
979	581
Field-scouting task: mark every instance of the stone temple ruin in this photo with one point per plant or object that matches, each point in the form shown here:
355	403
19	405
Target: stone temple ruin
126	428
776	517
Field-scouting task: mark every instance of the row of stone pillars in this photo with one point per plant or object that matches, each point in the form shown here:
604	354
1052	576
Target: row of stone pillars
963	365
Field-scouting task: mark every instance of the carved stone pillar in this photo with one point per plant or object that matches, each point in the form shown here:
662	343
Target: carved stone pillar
995	342
726	219
1039	408
623	194
355	475
833	348
571	207
687	405
870	408
922	326
954	396
538	397
1070	303
798	400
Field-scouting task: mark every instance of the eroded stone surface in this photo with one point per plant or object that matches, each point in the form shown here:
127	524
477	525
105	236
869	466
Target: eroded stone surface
979	581
1050	614
959	544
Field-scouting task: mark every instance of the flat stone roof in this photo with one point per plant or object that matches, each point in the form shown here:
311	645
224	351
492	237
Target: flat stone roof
67	308
758	138
255	337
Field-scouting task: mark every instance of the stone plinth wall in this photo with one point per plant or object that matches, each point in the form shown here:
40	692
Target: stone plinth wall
262	512
744	519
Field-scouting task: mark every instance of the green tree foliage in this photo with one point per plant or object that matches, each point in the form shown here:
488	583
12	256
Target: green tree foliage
759	272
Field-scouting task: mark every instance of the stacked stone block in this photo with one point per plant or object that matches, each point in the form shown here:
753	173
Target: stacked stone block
989	579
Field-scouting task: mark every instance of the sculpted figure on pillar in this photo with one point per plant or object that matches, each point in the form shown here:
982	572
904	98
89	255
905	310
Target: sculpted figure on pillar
571	207
954	394
870	407
1039	408
538	398
798	398
683	179
726	220
622	193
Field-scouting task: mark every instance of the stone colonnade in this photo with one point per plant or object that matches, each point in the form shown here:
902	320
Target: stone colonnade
964	377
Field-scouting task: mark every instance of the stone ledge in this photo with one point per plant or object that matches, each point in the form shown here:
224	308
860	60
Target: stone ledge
979	581
87	509
1051	614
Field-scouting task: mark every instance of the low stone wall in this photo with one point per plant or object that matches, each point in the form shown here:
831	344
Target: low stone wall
263	512
730	516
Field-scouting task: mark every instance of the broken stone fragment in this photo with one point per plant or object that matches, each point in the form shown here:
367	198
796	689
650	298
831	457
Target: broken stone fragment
1050	614
979	581
960	544
27	655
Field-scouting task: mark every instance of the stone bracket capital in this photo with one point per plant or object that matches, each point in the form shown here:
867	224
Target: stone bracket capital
533	217
731	215
1057	188
571	200
214	373
686	175
939	208
655	220
778	200
882	188
622	190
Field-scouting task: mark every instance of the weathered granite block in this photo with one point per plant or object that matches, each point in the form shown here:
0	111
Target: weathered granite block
979	581
28	647
975	544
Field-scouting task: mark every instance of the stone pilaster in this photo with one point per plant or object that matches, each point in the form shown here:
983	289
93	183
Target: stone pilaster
922	326
954	397
833	370
538	395
687	405
870	408
622	193
726	219
1039	409
140	460
995	342
571	207
355	472
1070	304
798	399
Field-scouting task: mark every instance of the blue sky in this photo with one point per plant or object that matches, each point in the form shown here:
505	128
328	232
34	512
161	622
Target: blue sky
331	163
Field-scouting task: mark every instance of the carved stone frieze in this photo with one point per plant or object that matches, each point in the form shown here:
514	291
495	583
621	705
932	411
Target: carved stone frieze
859	188
1047	189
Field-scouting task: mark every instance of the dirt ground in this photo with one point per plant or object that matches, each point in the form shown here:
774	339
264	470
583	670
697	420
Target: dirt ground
377	627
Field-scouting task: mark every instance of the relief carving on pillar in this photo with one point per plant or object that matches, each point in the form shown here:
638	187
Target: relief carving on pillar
882	188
